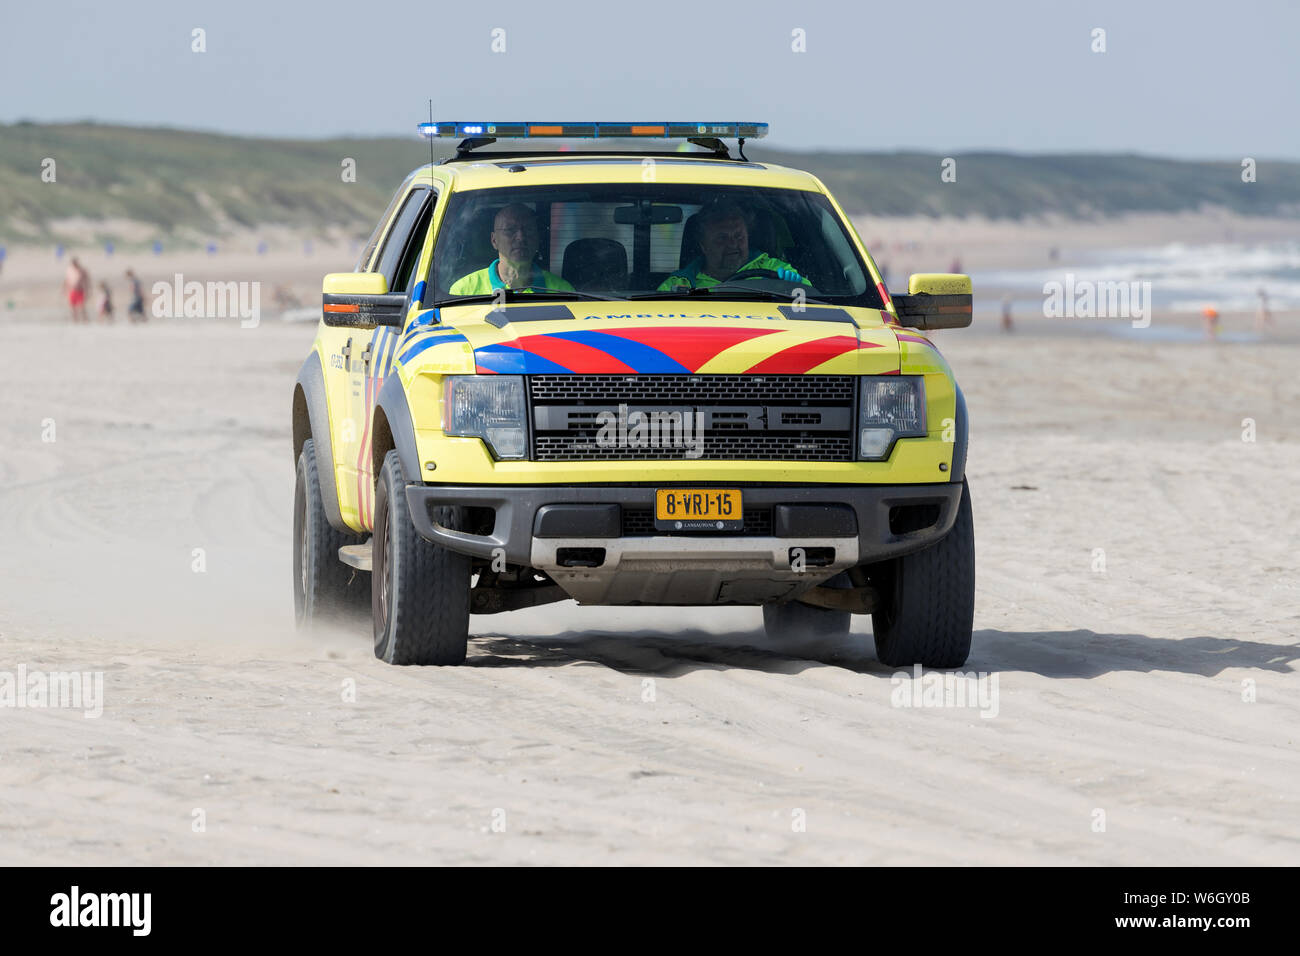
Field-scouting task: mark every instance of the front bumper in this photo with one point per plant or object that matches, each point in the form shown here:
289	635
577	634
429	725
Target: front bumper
534	524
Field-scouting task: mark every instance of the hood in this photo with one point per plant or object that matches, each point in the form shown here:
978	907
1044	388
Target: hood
672	338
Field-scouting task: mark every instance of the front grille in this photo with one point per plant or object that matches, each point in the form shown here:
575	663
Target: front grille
786	389
640	522
761	417
582	446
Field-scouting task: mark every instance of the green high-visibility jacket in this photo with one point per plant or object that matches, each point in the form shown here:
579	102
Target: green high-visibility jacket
489	280
693	276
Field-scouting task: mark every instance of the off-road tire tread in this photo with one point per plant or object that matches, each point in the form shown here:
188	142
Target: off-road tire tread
429	599
332	586
935	591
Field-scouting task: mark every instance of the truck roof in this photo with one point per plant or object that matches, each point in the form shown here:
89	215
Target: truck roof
485	170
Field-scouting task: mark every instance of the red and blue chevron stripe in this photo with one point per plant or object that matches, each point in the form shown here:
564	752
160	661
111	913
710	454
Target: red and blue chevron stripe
417	343
916	339
661	349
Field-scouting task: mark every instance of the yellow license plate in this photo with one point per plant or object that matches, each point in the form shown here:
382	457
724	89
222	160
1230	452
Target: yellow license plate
698	509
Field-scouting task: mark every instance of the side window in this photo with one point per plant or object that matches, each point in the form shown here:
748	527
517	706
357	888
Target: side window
395	244
368	254
414	246
851	280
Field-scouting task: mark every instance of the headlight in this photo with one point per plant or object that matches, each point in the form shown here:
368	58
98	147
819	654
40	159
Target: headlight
892	406
490	407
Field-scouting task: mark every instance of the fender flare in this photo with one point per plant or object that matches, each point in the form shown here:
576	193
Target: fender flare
958	470
311	420
397	412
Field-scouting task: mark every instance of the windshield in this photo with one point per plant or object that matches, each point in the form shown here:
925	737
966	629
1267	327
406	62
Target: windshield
648	240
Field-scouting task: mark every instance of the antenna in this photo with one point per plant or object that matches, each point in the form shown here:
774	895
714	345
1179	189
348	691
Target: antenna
430	132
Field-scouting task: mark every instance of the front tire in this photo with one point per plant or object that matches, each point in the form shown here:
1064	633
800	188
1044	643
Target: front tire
420	593
927	600
323	586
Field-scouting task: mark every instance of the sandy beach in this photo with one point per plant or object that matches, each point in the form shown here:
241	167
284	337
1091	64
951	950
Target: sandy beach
1138	606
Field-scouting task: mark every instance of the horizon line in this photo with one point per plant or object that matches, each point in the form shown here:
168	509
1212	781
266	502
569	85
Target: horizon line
756	145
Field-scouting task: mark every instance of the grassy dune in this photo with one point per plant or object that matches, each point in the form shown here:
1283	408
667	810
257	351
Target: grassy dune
135	184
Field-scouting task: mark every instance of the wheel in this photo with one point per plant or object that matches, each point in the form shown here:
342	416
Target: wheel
801	621
323	586
927	600
420	597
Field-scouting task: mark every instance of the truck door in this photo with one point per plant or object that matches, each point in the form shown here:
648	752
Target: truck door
372	349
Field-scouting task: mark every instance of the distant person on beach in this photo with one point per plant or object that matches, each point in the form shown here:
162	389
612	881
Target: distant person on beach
76	285
1263	314
956	266
1211	315
1006	313
135	308
105	310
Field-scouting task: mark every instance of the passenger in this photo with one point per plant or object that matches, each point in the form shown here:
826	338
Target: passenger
515	236
724	247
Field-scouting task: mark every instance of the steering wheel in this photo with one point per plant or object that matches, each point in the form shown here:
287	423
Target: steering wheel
752	274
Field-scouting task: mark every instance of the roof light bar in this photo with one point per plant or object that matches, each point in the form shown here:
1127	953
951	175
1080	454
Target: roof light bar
452	129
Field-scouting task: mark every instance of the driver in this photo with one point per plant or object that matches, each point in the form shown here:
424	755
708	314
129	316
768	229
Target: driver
724	244
515	237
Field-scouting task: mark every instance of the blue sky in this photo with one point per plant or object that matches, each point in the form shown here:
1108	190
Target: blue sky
1188	80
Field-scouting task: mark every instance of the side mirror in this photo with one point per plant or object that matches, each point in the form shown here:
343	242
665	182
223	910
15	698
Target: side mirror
935	300
360	300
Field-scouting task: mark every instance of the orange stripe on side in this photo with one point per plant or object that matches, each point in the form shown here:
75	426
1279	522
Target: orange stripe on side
362	518
331	307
